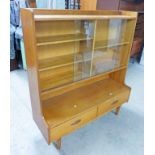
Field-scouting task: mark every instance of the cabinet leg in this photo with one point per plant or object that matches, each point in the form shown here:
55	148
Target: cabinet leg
58	144
117	110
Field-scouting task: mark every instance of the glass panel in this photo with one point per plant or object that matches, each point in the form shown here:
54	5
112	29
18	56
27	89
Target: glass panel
110	43
105	59
64	51
55	55
81	70
55	77
83	49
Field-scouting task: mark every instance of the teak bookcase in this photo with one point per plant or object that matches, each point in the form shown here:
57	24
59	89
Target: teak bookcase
77	63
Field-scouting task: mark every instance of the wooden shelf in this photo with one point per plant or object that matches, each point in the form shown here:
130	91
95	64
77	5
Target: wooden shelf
57	91
62	79
69	77
77	101
79	17
61	39
54	62
61	61
56	80
104	44
57	66
80	76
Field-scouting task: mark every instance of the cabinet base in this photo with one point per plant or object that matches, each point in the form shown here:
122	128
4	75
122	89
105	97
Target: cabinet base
58	144
117	110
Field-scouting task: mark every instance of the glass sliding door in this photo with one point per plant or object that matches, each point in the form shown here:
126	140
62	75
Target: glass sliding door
110	44
83	49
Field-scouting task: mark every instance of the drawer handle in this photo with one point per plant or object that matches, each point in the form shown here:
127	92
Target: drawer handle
115	102
76	122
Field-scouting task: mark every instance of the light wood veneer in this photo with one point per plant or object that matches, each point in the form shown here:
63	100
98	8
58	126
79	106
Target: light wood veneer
77	63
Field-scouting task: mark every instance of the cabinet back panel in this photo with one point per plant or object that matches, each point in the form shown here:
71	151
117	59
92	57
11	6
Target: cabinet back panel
54	28
102	30
55	62
50	51
56	77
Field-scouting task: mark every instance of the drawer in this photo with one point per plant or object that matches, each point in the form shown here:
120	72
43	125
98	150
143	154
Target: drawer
114	102
69	126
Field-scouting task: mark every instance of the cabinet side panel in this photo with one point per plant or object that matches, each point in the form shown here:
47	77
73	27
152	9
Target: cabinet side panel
30	48
29	42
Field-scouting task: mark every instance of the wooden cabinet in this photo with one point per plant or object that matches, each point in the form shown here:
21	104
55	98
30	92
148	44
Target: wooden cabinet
77	62
108	4
132	5
88	4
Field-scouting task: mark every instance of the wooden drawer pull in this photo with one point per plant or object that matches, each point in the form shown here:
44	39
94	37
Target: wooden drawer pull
76	122
115	102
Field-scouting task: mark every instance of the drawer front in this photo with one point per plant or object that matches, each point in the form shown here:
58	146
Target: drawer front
72	125
113	103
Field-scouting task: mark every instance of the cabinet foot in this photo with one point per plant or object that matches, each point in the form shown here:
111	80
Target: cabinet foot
58	144
117	110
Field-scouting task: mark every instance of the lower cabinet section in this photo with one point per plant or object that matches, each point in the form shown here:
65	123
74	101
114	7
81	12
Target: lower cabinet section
113	102
73	124
76	108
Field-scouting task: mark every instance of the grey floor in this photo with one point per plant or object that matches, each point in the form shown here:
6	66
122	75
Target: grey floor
108	135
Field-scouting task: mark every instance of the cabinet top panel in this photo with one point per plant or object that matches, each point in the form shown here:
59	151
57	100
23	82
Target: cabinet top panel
48	14
79	17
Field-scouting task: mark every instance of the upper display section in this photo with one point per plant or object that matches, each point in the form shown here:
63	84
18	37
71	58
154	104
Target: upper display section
77	46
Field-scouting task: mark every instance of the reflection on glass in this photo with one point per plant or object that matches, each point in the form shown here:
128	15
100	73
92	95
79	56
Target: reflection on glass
83	49
105	60
109	45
